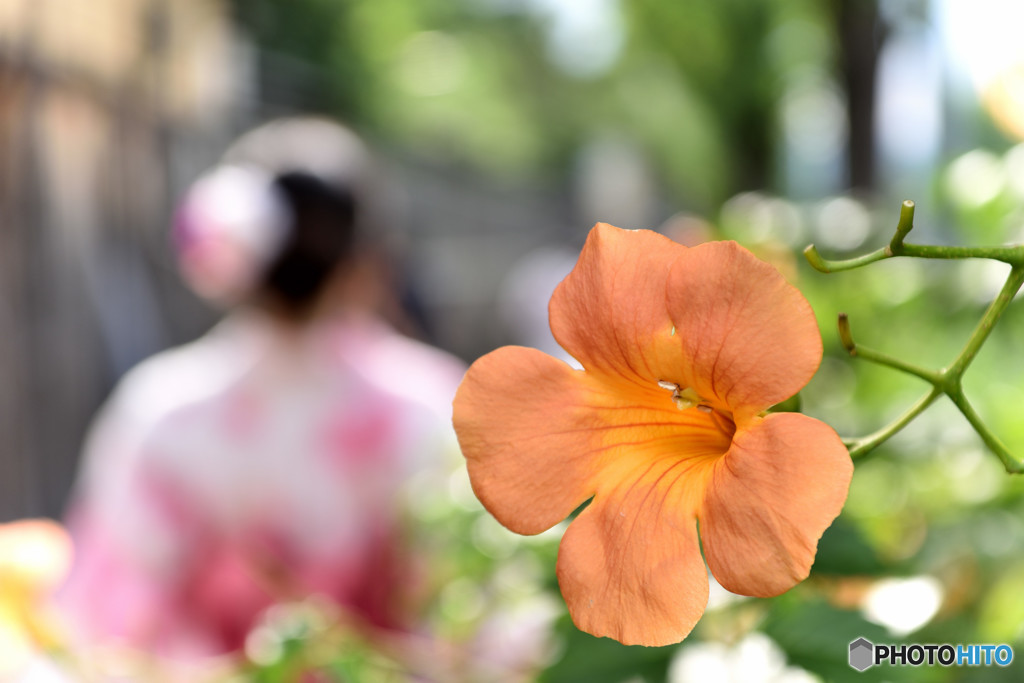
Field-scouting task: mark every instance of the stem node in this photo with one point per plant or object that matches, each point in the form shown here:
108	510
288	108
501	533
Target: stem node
814	258
845	335
903	228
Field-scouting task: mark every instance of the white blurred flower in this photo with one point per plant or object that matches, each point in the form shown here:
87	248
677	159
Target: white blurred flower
754	659
903	605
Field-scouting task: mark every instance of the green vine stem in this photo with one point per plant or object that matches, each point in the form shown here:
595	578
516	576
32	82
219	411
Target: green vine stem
1011	255
865	444
948	380
931	376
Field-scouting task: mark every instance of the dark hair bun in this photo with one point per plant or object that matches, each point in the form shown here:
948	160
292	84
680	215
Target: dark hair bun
320	239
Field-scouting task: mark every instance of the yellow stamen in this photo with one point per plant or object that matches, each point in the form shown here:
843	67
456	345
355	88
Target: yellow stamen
685	399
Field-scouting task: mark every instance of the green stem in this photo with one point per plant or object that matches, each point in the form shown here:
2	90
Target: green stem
846	337
904	227
865	444
931	376
1013	255
947	381
826	266
1010	288
1013	465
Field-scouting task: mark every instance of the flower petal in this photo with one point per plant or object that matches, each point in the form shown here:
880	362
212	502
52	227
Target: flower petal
529	448
629	566
750	338
769	501
609	313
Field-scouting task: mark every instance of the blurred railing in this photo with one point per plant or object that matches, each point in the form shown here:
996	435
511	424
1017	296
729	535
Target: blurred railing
106	108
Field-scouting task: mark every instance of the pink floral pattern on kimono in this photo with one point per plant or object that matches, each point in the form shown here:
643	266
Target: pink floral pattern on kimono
252	464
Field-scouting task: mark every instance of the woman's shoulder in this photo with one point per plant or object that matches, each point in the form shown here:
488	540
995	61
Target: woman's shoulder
177	377
404	366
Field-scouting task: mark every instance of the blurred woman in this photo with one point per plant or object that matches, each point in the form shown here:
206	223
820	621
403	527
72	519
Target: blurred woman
268	459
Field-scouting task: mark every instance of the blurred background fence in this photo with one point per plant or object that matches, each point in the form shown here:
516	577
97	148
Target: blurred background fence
105	110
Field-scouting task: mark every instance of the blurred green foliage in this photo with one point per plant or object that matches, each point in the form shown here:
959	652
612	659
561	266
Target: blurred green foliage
696	83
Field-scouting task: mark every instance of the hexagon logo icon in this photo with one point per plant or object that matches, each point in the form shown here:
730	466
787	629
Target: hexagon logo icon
862	654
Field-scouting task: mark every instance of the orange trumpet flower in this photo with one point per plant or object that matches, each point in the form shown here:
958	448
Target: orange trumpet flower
683	350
